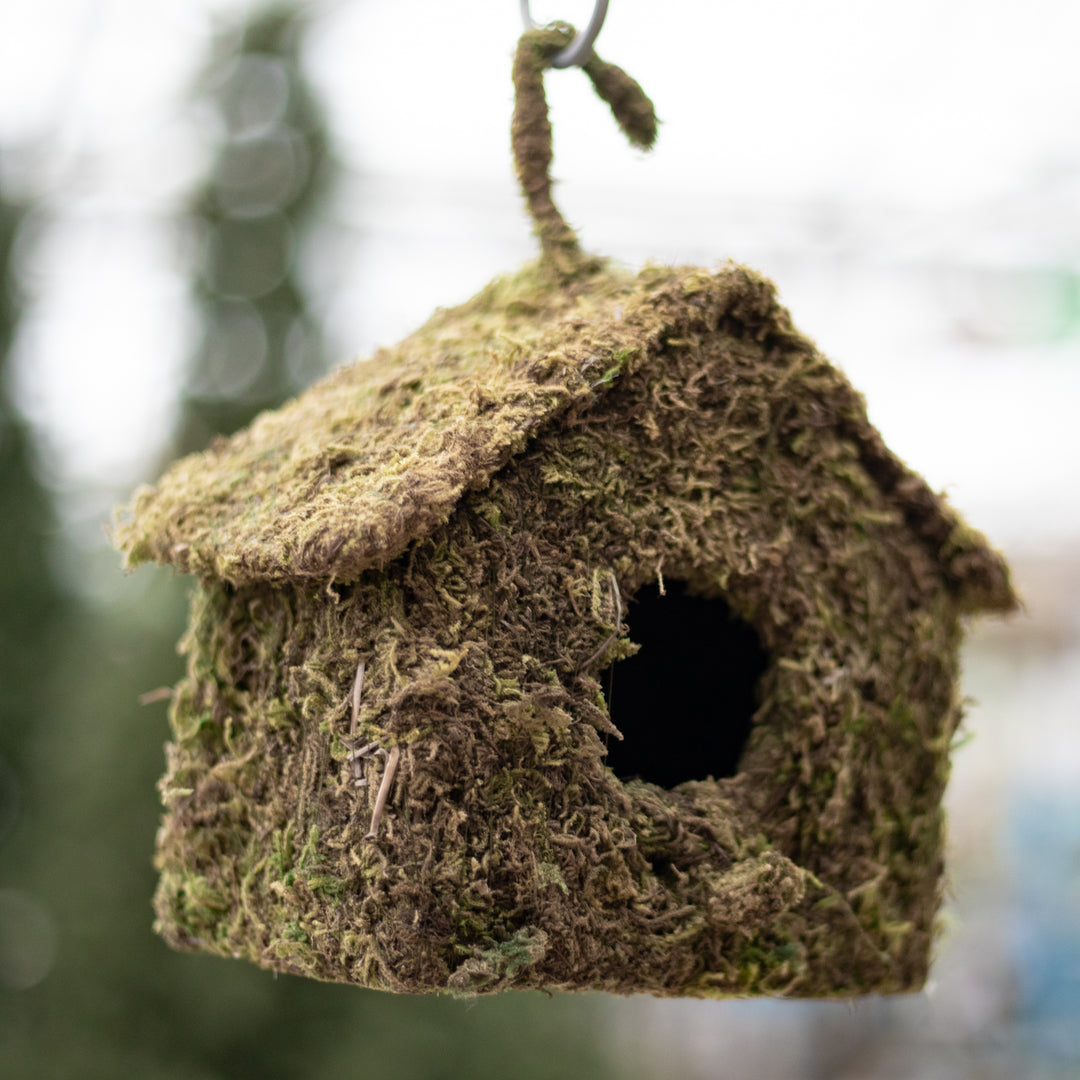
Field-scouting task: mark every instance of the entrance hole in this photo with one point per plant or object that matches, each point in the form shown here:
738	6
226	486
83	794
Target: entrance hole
685	701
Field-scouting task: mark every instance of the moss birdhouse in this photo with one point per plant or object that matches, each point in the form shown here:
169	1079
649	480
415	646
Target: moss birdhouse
590	638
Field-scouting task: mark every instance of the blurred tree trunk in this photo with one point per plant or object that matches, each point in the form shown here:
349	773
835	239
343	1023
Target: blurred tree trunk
248	222
30	599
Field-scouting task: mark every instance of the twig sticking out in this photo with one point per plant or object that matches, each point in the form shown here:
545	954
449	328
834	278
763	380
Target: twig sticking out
162	693
613	636
356	755
384	791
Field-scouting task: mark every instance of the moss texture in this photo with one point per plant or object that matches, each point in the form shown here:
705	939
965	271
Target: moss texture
469	515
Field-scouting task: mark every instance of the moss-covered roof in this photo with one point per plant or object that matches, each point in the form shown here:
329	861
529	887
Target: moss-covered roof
378	453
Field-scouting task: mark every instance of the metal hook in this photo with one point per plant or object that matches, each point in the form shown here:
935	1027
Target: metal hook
579	50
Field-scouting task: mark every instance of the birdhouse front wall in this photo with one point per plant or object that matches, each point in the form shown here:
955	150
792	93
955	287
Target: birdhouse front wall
510	854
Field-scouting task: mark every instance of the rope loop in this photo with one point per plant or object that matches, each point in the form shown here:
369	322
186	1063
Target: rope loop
530	136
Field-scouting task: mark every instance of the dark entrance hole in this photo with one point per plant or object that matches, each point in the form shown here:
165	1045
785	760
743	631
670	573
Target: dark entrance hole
684	703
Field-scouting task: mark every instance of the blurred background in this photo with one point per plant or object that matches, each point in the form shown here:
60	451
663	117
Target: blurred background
204	204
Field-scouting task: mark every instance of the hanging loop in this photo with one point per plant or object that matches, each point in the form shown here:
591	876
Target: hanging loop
578	52
530	136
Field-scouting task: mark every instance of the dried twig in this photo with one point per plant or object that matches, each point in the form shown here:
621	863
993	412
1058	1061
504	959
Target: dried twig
354	695
357	754
354	698
384	791
613	636
162	693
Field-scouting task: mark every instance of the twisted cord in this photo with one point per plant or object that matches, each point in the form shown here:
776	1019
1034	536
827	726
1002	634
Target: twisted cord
530	136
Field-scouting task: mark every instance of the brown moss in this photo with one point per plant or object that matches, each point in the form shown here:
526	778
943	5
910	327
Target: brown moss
679	427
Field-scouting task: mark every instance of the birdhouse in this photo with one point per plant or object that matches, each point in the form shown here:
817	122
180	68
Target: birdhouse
589	638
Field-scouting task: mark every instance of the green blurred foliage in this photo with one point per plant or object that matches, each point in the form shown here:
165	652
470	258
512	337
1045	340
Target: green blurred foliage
86	990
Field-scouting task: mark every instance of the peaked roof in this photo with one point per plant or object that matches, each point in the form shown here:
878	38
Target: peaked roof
377	454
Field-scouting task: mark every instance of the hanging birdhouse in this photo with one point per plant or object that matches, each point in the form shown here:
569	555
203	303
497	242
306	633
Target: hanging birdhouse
590	638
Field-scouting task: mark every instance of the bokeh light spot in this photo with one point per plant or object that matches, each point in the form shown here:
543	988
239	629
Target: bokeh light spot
27	940
255	93
249	258
233	353
258	174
